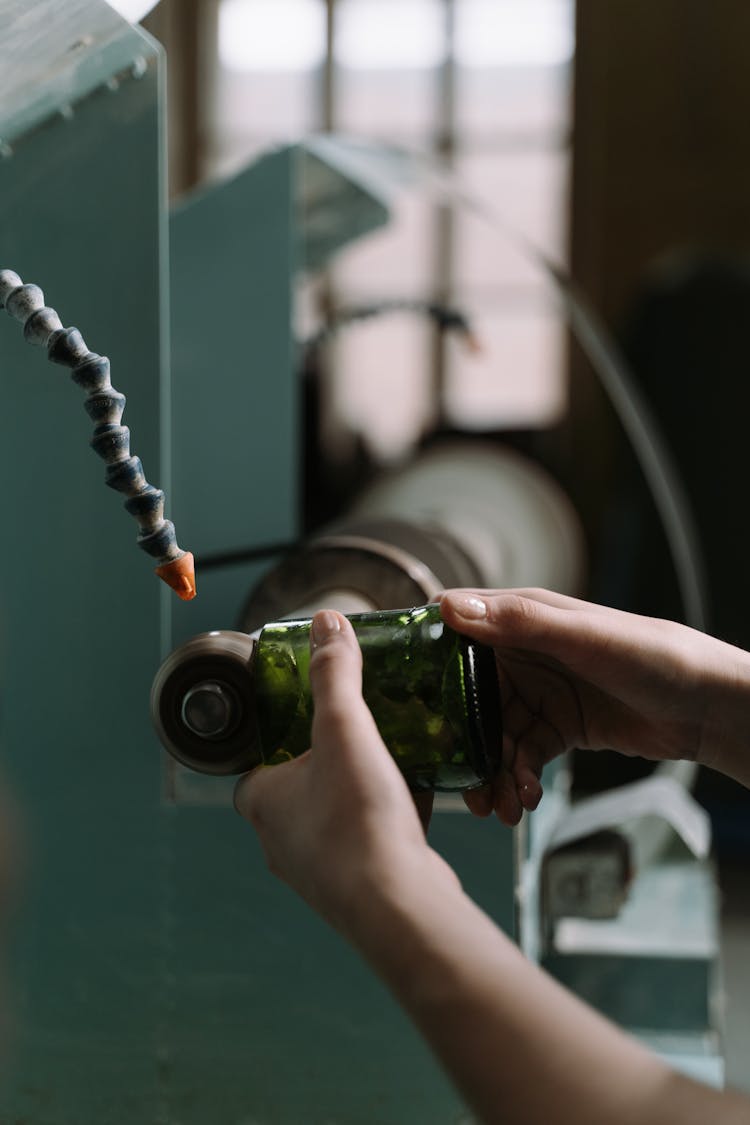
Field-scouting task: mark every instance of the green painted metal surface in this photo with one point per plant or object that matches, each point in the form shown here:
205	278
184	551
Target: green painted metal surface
339	196
52	55
82	215
269	1017
234	395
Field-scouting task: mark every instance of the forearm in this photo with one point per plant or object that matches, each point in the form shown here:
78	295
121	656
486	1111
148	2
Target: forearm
726	729
520	1048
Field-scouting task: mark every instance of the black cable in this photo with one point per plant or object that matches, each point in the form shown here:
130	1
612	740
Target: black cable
445	317
245	554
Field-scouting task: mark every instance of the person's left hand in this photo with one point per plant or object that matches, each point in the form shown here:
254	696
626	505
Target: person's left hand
341	816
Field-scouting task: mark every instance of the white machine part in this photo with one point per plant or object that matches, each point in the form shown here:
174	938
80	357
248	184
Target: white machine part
514	520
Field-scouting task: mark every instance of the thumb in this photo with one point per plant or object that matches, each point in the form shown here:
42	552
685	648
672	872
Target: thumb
340	713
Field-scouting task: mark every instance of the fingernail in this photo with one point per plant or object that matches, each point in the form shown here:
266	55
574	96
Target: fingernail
324	625
469	606
531	795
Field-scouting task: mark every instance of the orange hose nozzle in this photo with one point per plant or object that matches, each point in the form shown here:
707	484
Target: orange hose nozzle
180	575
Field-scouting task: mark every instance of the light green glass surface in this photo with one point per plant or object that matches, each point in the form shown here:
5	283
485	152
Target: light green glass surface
419	680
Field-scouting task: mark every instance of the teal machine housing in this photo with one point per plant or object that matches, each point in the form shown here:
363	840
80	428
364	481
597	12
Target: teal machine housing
156	972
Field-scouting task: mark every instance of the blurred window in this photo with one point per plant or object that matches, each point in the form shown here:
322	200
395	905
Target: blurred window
270	56
484	85
513	33
367	40
271	35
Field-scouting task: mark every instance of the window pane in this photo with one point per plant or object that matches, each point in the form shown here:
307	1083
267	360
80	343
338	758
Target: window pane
391	263
389	34
513	67
520	105
514	33
386	53
272	35
267	78
529	192
253	111
517	380
382	385
394	106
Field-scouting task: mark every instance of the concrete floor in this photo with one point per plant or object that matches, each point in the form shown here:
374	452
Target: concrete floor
735	941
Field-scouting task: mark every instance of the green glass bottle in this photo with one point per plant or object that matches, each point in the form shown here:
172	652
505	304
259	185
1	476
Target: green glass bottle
225	703
433	694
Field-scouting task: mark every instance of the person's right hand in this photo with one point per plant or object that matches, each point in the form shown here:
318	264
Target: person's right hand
575	674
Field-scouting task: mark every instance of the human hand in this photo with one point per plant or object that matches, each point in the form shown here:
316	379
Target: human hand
339	821
575	674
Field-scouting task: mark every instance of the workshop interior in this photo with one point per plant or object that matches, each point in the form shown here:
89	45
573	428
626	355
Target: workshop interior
363	299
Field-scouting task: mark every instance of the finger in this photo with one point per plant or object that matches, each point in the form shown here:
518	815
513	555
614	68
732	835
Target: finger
530	739
423	802
532	593
335	664
479	801
517	717
528	786
515	621
538	744
256	792
507	803
335	661
340	714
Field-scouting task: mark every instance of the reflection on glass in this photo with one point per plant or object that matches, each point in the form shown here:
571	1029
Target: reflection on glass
272	35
